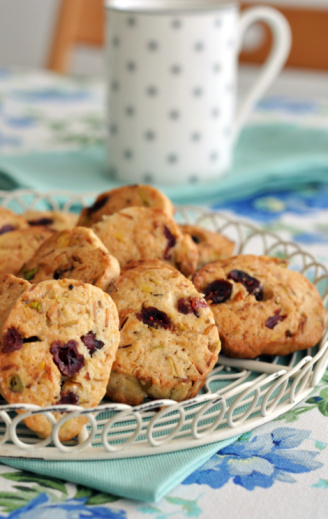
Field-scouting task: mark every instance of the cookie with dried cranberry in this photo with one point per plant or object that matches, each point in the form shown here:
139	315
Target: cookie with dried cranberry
75	254
18	246
123	197
142	234
58	344
261	307
211	245
10	221
169	341
55	220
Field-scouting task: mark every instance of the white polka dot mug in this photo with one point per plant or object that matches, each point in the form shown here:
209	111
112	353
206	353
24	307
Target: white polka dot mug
171	76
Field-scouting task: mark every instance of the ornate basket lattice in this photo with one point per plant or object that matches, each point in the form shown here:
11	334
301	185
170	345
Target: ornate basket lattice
238	396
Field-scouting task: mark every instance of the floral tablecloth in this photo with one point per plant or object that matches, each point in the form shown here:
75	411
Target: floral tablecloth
280	468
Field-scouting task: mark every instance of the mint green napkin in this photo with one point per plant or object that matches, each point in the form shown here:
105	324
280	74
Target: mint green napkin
145	478
266	157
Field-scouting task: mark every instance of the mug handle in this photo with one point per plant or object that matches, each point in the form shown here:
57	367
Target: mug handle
278	55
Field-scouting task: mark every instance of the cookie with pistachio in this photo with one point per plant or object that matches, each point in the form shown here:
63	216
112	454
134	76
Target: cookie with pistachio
211	245
18	246
169	342
58	343
55	220
138	233
10	221
76	254
123	197
261	307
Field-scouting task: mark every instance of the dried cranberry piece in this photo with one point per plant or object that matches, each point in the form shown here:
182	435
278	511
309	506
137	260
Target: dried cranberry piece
12	340
195	239
252	285
41	221
154	318
171	242
218	291
191	305
67	357
271	322
68	397
184	306
97	205
7	228
91	342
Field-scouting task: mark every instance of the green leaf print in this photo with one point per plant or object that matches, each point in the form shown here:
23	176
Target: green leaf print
25	477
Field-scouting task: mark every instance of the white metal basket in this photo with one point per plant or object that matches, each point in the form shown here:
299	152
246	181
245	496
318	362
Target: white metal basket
238	396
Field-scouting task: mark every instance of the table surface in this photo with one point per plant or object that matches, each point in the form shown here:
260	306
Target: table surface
289	477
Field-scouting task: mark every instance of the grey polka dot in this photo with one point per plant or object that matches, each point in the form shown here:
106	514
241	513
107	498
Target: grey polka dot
193	179
214	156
196	137
116	41
199	46
215	113
218	22
112	172
150	135
174	115
217	68
113	129
148	178
152	45
227	131
152	91
176	24
172	158
130	111
128	154
131	66
176	70
197	92
131	21
115	86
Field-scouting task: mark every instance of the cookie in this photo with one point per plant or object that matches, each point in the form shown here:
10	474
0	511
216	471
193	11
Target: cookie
18	246
141	234
11	288
10	221
58	344
261	307
169	342
55	220
75	254
123	197
211	245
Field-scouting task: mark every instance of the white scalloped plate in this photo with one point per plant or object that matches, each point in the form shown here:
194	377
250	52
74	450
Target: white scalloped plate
238	396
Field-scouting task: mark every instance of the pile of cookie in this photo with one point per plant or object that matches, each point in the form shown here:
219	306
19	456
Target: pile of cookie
122	301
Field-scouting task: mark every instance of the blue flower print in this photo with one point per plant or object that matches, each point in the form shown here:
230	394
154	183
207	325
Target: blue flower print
72	509
269	207
288	105
258	461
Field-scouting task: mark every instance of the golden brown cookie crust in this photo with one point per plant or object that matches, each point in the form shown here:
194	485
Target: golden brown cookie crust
274	312
17	247
211	246
77	254
113	201
143	234
10	221
169	341
58	344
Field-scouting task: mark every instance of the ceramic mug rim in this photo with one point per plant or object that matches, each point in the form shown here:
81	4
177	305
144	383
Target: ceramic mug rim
167	6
